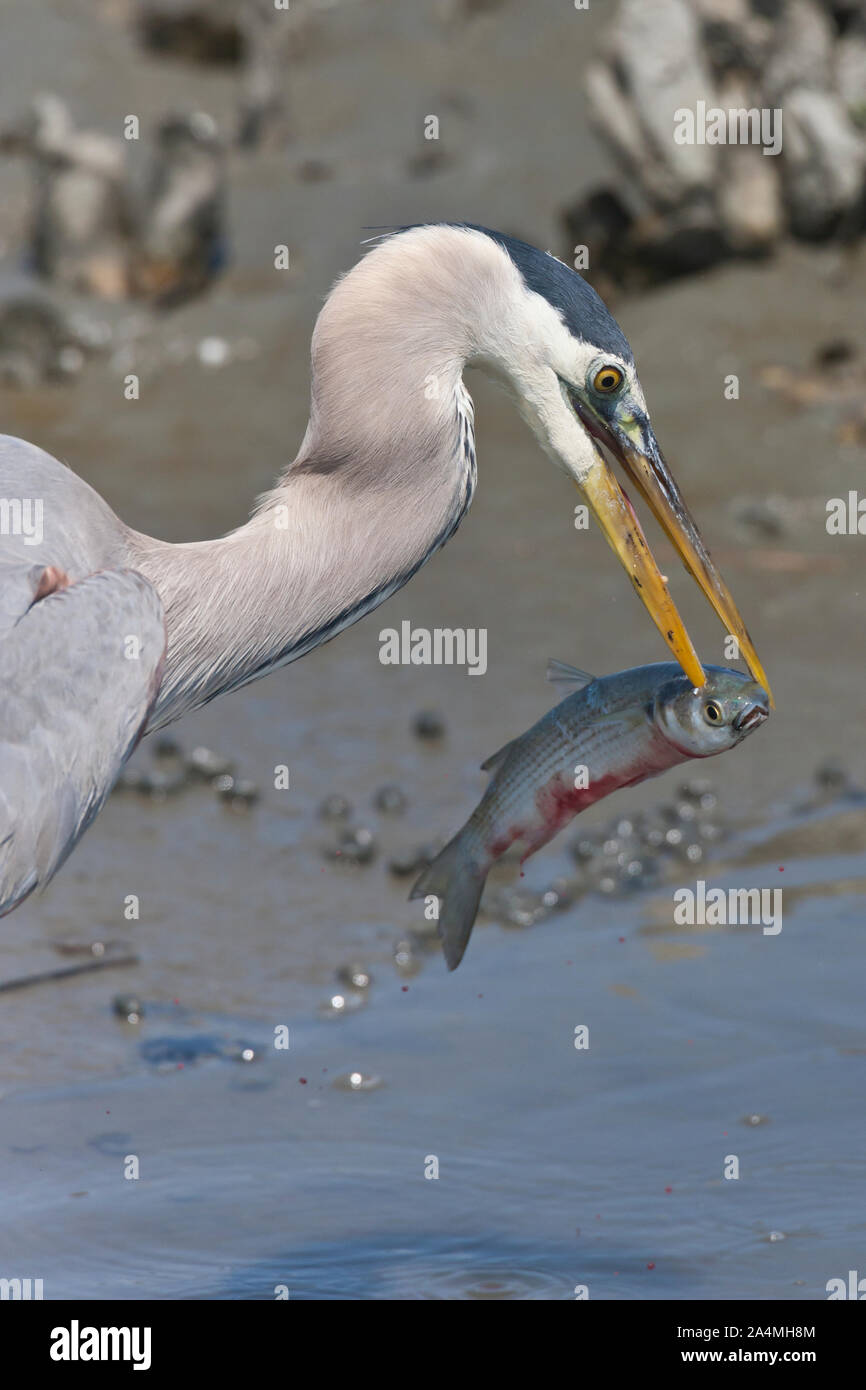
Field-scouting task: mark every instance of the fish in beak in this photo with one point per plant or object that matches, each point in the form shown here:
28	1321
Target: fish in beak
630	438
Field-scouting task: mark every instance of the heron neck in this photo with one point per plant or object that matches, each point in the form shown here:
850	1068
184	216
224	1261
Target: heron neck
318	555
384	474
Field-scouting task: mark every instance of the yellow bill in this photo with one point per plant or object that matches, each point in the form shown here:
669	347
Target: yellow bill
624	534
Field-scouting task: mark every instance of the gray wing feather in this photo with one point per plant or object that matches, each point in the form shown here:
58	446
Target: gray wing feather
79	674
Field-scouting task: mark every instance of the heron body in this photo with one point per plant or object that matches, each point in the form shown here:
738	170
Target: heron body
116	633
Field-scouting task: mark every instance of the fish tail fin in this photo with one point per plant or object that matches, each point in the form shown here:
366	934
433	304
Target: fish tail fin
457	879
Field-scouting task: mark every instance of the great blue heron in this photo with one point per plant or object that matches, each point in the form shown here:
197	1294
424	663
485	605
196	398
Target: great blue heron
107	633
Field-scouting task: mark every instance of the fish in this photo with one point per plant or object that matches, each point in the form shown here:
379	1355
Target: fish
609	732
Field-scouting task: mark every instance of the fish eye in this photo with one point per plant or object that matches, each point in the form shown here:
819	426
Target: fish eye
713	712
607	380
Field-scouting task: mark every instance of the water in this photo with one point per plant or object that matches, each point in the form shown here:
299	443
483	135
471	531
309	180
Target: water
554	1164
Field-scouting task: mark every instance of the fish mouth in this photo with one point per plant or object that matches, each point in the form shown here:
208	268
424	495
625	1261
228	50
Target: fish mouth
750	718
633	444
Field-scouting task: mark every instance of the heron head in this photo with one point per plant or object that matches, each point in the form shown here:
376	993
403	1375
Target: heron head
573	375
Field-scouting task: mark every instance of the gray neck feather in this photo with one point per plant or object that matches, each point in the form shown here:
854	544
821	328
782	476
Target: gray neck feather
384	473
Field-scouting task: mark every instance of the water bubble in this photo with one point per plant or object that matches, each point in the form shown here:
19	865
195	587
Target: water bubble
428	724
341	1004
390	800
695	788
204	764
582	851
213	352
559	896
356	846
236	792
411	861
129	1007
335	807
831	776
354	975
239	1052
357	1081
167	747
405	959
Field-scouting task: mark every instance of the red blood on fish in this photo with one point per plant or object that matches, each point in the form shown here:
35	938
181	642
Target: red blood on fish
504	842
557	802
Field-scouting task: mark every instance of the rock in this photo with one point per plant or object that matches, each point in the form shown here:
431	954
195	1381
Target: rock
802	54
618	124
37	342
658	51
685	205
750	192
181	242
192	30
832	354
82	222
687	241
602	223
825	161
850	73
270	37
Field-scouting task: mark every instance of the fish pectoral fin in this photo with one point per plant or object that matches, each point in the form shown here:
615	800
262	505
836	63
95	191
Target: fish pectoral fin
498	757
560	673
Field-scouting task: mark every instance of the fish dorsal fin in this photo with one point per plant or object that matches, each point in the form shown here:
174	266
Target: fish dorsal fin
560	673
498	757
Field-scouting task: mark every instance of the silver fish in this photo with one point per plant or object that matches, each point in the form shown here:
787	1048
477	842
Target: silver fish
611	732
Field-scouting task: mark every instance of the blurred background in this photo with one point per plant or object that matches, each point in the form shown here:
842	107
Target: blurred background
152	156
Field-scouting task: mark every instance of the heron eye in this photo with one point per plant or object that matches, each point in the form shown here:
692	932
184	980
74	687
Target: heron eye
713	712
607	380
